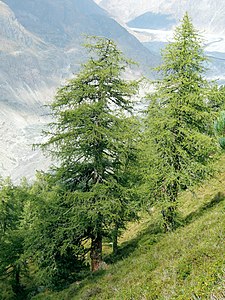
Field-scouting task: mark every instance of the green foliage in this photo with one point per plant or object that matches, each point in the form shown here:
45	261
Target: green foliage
53	240
12	262
93	140
184	264
91	192
179	125
220	129
10	207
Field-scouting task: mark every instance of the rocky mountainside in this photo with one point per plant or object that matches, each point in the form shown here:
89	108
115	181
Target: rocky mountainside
152	22
62	23
40	46
208	15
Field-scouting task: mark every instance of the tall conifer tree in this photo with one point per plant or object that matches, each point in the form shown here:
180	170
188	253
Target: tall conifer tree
92	142
179	121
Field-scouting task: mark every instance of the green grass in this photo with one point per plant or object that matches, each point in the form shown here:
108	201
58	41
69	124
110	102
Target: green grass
185	264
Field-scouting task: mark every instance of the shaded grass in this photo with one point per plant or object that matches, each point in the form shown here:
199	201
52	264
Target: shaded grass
202	209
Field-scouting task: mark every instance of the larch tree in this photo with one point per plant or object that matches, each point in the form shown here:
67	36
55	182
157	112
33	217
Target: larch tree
92	139
12	263
220	129
179	125
53	243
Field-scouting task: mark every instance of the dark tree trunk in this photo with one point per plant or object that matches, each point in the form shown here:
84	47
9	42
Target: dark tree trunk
115	239
96	252
170	212
169	216
16	286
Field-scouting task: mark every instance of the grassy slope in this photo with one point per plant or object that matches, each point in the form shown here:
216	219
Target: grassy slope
185	264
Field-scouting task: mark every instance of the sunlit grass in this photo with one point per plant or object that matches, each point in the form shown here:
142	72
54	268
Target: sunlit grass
151	264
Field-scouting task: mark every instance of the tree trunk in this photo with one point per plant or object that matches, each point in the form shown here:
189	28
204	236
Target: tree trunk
169	215
115	239
16	285
96	252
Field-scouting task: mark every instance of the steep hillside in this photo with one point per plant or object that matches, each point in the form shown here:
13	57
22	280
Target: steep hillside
24	89
208	15
62	24
152	22
185	264
40	46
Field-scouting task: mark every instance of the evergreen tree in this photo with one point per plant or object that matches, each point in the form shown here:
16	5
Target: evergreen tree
179	121
93	143
220	129
12	263
51	243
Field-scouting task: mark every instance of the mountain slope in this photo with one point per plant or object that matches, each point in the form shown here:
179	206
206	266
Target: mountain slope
208	15
62	24
23	90
185	264
152	22
40	46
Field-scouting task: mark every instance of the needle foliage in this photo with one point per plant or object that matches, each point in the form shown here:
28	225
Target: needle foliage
179	134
